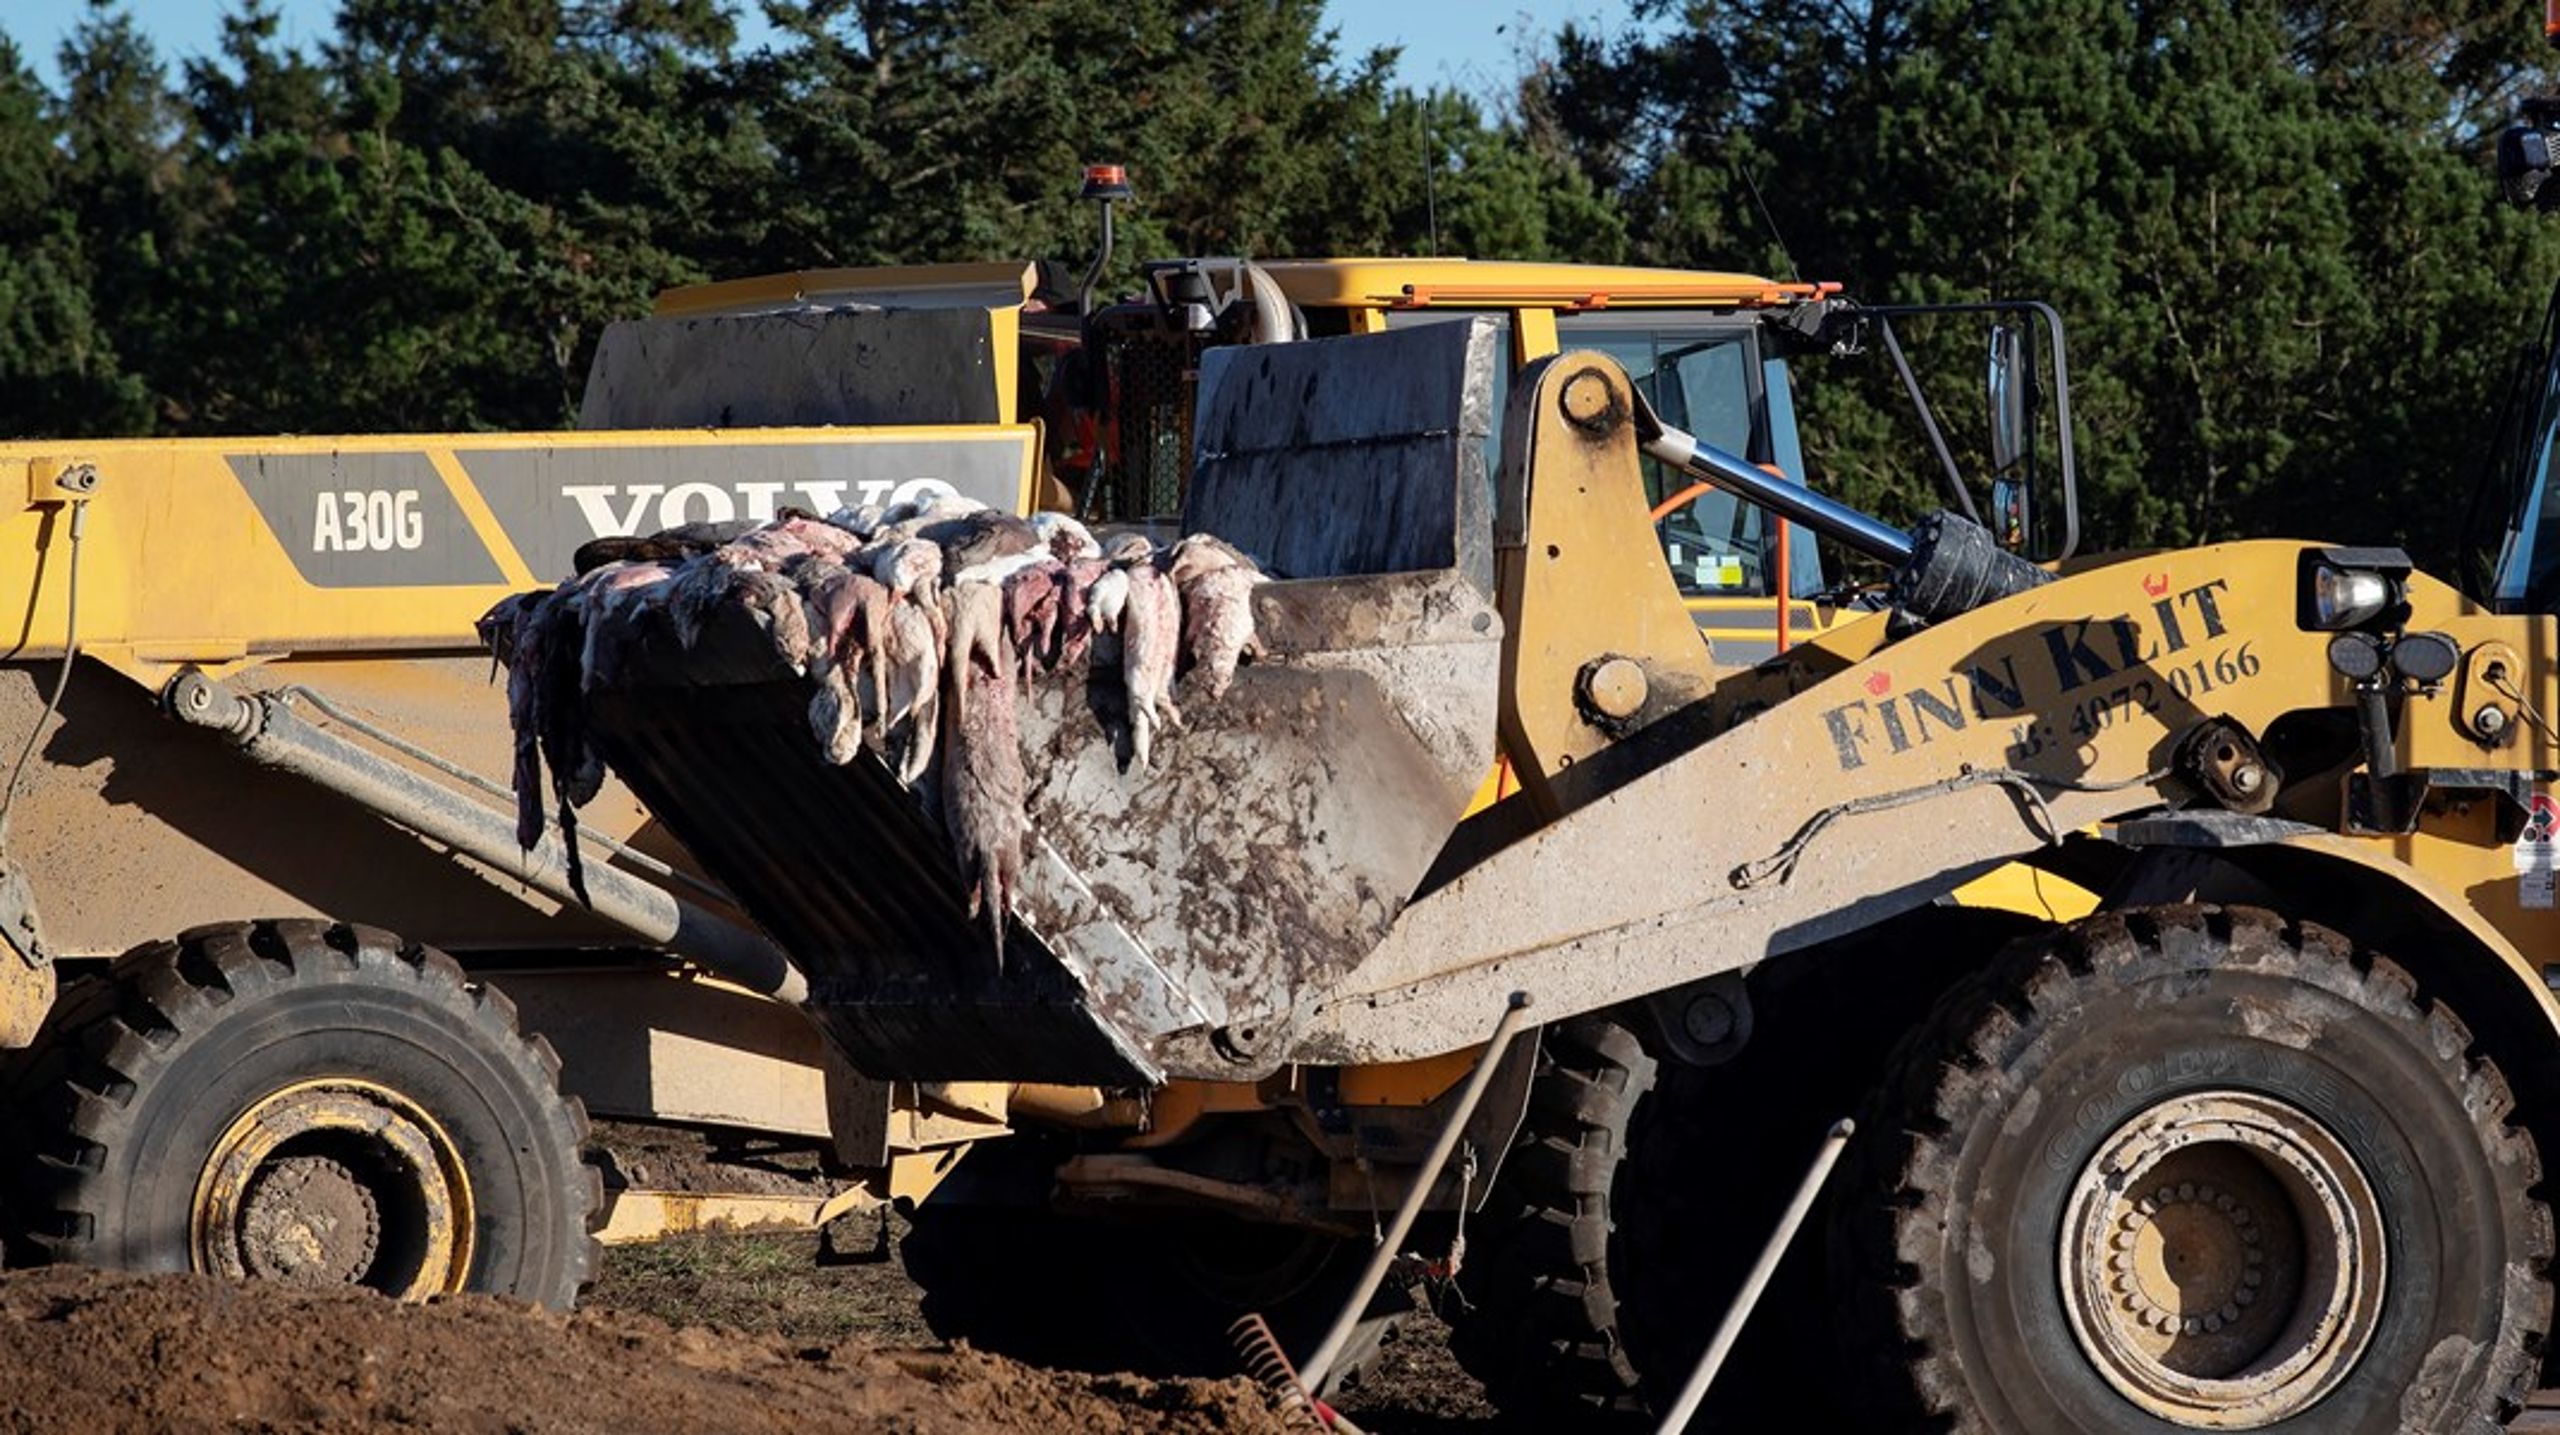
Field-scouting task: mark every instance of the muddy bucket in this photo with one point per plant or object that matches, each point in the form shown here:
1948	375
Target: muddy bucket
1277	834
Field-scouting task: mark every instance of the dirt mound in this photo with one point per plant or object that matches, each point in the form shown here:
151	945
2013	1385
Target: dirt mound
91	1351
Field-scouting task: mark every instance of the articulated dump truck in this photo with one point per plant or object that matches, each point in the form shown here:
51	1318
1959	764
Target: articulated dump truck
2168	923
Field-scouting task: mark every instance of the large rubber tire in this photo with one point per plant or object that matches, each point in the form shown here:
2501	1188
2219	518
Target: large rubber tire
1538	1320
1955	1241
1639	1194
1717	1153
144	1075
1153	1292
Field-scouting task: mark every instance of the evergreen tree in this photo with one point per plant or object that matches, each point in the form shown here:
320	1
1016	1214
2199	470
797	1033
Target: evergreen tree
59	373
571	157
119	131
2270	226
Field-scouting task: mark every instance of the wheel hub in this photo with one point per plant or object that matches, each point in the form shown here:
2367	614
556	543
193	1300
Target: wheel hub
336	1182
2222	1260
309	1220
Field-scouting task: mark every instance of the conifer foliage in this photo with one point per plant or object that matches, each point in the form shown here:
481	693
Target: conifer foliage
2271	225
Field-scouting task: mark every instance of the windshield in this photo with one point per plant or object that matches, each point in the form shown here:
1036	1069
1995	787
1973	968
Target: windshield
1705	374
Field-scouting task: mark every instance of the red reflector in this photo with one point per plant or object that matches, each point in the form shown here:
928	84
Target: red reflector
1118	174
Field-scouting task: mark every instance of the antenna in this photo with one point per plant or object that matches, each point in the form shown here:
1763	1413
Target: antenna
1432	190
1795	271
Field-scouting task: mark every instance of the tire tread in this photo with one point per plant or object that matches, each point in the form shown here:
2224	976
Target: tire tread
1541	1325
112	1037
1905	1160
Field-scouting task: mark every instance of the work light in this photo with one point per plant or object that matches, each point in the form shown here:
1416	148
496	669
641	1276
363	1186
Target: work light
2348	597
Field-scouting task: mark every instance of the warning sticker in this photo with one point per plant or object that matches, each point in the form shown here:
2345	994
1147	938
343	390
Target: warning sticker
2537	855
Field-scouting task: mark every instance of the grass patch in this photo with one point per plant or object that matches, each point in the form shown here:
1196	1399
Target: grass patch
765	1284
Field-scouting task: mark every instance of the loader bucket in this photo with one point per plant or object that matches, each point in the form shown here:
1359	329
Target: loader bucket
1280	831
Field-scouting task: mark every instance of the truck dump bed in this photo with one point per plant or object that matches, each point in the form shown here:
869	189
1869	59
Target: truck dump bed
1275	838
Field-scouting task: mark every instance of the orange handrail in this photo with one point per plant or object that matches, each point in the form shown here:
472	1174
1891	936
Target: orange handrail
1671	505
1786	586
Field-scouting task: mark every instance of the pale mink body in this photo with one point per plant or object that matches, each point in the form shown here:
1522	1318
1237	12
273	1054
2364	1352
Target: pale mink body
611	594
1034	597
980	537
773	601
793	537
1075	612
911	569
975	636
1216	584
1068	540
1150	641
848	619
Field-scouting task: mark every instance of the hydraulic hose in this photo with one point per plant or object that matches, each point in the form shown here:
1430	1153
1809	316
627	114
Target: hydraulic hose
61	680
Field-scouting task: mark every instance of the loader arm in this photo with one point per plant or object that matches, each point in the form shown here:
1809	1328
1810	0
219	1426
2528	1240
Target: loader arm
1896	771
1296	878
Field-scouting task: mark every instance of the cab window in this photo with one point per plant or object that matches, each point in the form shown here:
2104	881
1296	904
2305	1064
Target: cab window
1705	374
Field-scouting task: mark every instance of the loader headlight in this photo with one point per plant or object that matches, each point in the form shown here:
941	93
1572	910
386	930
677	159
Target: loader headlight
2353	589
2347	597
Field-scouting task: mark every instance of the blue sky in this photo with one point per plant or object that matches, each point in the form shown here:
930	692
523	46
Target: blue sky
1470	45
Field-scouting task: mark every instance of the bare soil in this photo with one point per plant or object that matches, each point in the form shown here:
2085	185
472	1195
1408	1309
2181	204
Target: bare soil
801	1289
702	1332
83	1350
849	1285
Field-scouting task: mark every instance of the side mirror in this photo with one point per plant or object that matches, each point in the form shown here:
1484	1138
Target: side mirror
2006	383
2008	513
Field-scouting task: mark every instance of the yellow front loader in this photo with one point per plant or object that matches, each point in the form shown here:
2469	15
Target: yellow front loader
2253	1146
